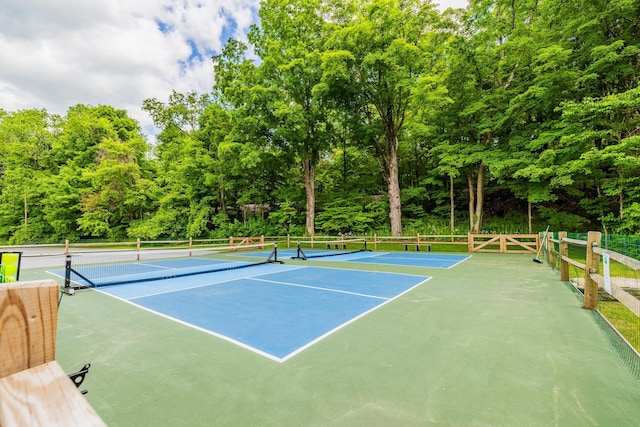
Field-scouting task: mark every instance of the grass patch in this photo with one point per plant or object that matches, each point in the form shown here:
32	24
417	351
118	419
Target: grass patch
625	321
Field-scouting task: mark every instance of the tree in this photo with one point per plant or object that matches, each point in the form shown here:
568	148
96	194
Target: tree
279	92
26	138
374	64
103	182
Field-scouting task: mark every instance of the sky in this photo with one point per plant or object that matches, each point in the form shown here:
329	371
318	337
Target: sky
55	54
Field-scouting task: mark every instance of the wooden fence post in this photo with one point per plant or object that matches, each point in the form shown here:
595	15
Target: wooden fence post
375	242
470	242
592	266
552	255
563	251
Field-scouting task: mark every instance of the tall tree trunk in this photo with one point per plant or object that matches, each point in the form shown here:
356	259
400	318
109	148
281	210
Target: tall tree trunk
309	186
393	182
476	199
452	204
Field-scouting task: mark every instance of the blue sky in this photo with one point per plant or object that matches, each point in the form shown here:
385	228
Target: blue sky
59	53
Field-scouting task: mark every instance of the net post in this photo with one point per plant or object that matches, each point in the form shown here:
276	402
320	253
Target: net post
299	253
67	272
19	263
273	258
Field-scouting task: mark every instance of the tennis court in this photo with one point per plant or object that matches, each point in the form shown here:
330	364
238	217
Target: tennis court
409	259
272	309
495	341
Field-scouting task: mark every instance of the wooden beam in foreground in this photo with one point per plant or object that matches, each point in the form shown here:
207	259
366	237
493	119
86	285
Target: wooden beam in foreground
44	396
28	322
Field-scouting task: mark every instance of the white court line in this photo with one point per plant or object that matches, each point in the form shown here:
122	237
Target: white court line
299	285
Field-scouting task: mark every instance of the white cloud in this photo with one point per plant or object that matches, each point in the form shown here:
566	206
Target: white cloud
59	53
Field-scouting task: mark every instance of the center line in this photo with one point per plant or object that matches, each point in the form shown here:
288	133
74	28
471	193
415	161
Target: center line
320	288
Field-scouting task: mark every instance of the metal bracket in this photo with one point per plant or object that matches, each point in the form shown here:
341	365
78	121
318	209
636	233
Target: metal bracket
78	377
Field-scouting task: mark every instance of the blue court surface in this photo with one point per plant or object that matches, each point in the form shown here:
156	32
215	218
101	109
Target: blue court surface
272	309
409	259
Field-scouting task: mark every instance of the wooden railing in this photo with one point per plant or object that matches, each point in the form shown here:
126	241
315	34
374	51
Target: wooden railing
504	243
501	243
594	276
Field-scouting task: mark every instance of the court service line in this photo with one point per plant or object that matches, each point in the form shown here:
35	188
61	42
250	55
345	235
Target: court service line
299	285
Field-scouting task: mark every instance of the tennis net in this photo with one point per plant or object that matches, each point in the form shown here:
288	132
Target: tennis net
331	248
95	269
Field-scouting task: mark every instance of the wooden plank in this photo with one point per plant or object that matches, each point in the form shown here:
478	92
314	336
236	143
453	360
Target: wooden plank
619	293
623	259
575	241
574	263
492	240
530	247
44	396
28	324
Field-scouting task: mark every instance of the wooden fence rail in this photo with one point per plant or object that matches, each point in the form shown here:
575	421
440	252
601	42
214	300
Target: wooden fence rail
501	243
593	274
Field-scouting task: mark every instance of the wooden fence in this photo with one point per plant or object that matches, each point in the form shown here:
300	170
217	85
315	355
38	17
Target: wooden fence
593	274
499	243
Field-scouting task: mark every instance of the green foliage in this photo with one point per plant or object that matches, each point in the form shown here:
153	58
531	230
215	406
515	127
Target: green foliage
344	216
513	104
